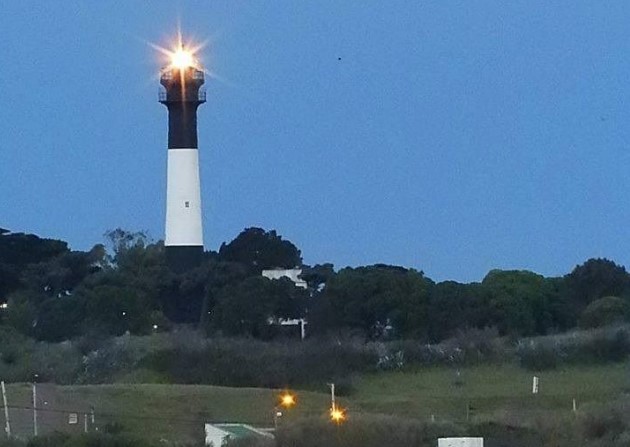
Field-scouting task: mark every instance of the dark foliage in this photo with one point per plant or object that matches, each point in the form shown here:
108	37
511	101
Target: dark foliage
500	435
250	363
595	279
259	249
365	431
603	347
59	439
605	312
18	250
379	300
51	293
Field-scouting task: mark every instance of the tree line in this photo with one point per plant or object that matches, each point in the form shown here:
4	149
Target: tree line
52	293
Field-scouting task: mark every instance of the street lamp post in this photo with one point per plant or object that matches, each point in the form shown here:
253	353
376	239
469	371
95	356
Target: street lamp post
337	415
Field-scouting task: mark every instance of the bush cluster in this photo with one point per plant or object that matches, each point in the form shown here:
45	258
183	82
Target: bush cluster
187	356
58	439
233	362
365	431
595	346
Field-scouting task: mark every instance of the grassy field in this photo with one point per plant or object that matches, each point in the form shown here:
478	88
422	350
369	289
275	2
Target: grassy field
491	390
171	412
177	412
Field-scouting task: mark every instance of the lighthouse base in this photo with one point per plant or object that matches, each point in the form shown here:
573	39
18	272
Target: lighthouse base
182	258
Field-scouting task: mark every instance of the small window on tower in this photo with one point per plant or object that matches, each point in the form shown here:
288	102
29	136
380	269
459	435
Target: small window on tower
187	204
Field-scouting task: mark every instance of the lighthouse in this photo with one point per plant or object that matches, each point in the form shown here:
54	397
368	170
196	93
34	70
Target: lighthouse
182	94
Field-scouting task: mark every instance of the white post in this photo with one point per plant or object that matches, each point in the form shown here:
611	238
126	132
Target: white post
332	396
535	385
7	427
302	328
574	406
85	423
34	409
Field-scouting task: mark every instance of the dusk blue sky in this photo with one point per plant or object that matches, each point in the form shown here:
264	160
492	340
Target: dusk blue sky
453	137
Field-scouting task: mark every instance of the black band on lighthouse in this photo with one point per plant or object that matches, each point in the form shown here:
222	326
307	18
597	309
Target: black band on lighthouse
182	125
183	258
182	96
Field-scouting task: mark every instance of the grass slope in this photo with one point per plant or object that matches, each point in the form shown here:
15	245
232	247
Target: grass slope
492	391
177	412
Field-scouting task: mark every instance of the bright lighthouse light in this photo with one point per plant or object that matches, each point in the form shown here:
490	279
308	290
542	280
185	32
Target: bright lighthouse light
182	59
181	56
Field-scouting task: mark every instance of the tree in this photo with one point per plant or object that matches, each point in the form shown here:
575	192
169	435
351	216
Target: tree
115	310
218	275
63	273
594	279
9	280
453	306
379	300
59	318
17	250
317	276
251	306
517	301
259	249
127	247
21	313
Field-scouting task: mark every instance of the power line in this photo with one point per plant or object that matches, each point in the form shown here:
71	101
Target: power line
110	415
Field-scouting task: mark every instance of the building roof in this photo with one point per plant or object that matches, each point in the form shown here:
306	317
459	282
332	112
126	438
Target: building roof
241	430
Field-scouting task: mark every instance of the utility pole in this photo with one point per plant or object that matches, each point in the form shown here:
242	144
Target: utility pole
7	427
35	406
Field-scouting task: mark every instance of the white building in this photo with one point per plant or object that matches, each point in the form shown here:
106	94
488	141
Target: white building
292	274
218	434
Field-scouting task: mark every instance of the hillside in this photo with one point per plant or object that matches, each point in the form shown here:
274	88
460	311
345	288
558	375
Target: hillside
177	412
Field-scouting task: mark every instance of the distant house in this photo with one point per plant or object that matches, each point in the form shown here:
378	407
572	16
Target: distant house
218	434
292	274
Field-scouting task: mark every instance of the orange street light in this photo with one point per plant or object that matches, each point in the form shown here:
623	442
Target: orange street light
287	400
337	415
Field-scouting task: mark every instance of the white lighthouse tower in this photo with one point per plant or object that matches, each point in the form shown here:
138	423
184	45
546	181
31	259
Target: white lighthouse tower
182	94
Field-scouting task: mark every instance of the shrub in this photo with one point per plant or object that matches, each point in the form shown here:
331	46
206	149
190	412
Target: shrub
603	423
603	347
603	312
472	346
496	434
12	442
364	431
56	362
58	439
595	346
234	362
115	358
251	442
12	345
537	357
